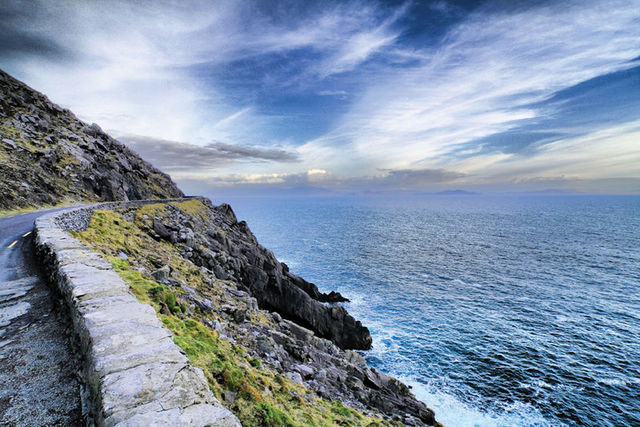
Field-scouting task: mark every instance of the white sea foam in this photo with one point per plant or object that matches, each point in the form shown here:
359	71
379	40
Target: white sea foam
452	412
620	382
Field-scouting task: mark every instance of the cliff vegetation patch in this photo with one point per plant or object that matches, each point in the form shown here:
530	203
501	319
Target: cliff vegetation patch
258	394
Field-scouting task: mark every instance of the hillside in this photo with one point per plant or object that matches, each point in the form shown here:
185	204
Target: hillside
48	156
274	349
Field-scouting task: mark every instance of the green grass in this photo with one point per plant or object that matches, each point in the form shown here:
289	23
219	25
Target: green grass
263	397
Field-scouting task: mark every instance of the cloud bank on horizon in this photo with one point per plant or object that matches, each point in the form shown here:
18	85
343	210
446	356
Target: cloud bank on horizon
349	96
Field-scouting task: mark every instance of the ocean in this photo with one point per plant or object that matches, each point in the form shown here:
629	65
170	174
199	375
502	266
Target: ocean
497	310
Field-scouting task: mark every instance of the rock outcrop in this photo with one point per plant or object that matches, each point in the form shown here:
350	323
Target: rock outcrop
48	156
227	247
305	339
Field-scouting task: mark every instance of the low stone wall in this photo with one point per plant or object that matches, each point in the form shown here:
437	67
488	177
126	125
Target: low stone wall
134	373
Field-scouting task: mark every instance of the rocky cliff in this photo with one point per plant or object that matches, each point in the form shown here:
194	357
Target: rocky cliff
48	156
219	242
274	349
201	265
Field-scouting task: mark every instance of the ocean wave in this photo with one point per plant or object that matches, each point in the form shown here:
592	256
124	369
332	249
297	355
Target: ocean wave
451	411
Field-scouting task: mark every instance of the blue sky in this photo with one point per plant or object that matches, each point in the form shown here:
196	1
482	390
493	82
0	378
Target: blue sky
239	97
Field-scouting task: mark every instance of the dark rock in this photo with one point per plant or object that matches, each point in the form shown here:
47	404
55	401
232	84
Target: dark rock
226	210
332	297
162	274
205	304
220	273
161	230
375	379
9	142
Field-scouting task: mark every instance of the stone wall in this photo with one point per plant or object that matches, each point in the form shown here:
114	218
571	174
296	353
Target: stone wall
134	373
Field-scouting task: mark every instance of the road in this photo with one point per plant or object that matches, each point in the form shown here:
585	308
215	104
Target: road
38	370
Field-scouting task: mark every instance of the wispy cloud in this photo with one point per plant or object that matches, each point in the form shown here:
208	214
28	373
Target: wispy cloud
359	46
364	91
484	78
234	116
133	62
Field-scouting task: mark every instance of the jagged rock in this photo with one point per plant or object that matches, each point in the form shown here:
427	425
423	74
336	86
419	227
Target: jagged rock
162	231
376	379
9	142
295	377
205	304
303	370
162	274
186	235
262	275
306	338
226	211
220	273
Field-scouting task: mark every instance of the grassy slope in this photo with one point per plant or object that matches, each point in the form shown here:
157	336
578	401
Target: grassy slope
263	396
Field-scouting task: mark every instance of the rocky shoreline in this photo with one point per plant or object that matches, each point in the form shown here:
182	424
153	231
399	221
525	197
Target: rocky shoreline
267	340
280	319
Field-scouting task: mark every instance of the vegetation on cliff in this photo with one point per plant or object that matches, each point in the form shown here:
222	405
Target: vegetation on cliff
256	393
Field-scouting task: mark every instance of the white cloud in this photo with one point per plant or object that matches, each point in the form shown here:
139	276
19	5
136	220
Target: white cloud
131	63
361	45
135	68
480	81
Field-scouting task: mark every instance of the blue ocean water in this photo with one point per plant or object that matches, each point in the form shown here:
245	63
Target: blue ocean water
498	310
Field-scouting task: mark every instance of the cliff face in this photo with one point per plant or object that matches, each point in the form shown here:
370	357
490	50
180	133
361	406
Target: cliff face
48	156
203	266
219	242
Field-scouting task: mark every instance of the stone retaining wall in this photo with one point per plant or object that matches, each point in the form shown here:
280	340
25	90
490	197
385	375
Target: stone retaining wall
134	373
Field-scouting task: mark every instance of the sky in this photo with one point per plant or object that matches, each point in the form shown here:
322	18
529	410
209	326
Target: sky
302	97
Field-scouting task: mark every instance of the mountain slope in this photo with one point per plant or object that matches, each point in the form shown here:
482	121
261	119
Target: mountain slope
48	156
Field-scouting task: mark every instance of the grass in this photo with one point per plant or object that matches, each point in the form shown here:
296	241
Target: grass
194	208
262	396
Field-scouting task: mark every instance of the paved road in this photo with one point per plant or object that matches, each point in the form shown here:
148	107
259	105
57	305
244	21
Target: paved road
38	381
